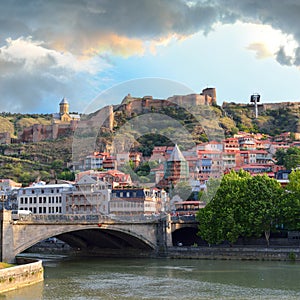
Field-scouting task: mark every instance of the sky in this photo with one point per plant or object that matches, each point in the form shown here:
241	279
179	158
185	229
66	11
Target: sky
79	49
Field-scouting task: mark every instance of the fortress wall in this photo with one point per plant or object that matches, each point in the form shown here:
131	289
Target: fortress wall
281	105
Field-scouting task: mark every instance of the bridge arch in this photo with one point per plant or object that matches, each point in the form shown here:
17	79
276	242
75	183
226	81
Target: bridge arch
87	237
187	236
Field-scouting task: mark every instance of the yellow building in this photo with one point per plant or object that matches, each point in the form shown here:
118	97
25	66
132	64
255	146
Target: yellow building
64	116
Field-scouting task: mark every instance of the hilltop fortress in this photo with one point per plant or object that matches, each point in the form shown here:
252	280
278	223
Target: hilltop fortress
65	123
131	104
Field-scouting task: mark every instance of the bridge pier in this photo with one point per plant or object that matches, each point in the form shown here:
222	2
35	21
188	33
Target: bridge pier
7	237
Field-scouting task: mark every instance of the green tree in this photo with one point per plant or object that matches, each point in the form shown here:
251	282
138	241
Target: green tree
264	196
292	158
66	175
57	165
222	219
242	206
291	204
279	156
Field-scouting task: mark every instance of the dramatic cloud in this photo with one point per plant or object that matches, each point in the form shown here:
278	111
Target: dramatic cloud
86	27
29	71
53	42
283	58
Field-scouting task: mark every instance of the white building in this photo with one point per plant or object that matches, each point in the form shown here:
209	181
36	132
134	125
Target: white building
89	196
41	198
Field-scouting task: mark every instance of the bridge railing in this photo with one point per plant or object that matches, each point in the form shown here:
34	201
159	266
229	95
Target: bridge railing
89	218
185	218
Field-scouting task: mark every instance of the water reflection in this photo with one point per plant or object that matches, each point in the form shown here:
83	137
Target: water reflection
165	279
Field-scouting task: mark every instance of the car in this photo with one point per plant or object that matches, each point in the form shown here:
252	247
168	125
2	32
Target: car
17	214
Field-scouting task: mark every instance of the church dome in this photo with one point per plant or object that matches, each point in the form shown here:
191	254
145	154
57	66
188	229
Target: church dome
64	101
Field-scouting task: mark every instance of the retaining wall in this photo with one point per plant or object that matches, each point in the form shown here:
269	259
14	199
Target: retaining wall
22	275
238	253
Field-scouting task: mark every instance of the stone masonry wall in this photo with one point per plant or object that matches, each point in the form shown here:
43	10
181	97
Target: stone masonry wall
21	276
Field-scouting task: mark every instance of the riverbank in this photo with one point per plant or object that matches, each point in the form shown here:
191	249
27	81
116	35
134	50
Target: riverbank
275	253
236	253
27	272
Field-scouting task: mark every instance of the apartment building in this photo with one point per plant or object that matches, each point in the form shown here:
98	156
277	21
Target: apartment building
137	201
41	198
90	195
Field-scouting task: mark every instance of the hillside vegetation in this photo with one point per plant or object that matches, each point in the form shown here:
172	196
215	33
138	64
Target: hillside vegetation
49	160
15	123
30	162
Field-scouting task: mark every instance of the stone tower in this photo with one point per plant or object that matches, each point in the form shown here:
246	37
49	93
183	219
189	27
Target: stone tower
177	168
64	106
210	95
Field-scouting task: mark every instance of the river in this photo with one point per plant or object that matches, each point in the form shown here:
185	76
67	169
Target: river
95	278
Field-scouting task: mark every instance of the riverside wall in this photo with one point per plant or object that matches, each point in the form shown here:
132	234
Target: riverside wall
29	272
236	253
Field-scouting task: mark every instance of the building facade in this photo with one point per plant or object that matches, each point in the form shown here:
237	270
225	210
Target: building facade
90	195
42	198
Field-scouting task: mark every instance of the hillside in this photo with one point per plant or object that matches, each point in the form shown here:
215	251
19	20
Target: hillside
49	160
46	161
15	123
272	119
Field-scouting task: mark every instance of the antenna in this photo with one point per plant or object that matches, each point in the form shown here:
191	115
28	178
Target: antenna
255	98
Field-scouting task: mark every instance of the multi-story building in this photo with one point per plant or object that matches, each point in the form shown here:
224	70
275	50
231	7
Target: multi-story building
137	201
8	190
110	163
112	178
41	198
94	161
231	145
210	164
247	143
90	195
161	153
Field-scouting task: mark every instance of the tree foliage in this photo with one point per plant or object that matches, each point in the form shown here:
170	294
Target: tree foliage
243	206
291	207
290	158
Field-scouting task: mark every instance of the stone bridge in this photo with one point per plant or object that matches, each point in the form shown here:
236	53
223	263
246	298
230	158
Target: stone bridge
90	234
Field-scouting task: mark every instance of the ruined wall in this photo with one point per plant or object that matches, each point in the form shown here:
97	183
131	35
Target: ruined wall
133	105
38	132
